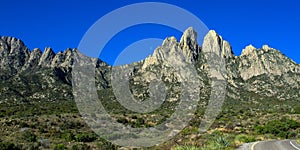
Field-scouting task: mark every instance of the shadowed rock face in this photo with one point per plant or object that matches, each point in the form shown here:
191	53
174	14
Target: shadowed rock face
260	70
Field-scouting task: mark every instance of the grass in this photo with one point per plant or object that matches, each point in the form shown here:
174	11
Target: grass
186	148
243	138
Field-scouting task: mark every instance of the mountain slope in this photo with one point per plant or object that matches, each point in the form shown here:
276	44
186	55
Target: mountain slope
34	75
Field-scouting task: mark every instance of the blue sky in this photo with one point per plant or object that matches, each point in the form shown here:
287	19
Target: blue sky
62	24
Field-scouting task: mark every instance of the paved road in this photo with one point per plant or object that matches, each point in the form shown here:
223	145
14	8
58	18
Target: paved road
271	145
276	145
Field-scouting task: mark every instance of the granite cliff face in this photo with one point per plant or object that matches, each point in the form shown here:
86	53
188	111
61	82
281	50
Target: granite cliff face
265	60
13	55
35	75
215	42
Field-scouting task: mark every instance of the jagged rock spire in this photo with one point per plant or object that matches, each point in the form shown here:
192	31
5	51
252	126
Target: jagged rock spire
33	60
189	39
47	57
214	42
13	54
189	45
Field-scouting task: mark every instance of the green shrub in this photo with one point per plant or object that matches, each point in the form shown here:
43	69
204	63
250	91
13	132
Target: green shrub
297	109
217	141
81	147
68	136
8	146
280	128
60	147
244	138
85	137
222	142
29	136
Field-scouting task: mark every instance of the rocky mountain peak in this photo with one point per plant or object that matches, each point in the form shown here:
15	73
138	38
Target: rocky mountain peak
47	57
266	60
189	38
248	50
58	59
170	41
13	54
13	42
266	47
215	43
261	65
188	46
63	59
68	51
33	60
12	45
36	51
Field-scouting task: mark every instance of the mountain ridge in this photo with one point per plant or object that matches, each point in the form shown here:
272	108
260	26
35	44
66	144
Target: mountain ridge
184	41
263	65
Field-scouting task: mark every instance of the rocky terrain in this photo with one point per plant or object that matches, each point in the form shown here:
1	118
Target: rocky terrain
35	75
261	84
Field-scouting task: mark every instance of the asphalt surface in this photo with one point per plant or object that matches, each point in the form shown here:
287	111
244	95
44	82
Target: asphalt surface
272	145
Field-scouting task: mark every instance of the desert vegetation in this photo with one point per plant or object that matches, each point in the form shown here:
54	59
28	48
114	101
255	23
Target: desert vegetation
59	125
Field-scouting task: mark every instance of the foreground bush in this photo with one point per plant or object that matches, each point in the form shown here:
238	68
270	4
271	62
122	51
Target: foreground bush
8	146
242	138
281	128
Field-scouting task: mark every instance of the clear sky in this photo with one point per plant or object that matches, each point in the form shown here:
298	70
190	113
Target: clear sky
61	24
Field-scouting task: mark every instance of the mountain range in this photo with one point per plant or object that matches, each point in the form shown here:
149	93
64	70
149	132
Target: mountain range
34	75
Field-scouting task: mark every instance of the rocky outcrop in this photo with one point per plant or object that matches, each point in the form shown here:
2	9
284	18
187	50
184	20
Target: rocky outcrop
33	60
63	59
263	71
250	49
214	43
13	54
47	57
68	60
254	62
37	75
189	45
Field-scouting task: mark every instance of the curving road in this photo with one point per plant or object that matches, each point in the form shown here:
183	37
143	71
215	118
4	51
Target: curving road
271	145
276	145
